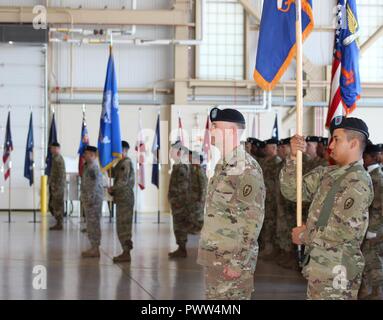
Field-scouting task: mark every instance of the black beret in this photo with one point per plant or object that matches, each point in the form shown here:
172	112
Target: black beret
284	142
271	141
125	144
372	148
312	139
380	145
323	140
353	124
256	142
228	115
55	144
91	148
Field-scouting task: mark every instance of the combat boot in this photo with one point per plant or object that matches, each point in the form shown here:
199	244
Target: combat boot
124	257
179	253
57	226
363	291
376	294
91	253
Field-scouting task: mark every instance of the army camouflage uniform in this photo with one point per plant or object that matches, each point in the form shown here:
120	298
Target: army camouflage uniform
372	249
335	262
233	221
286	218
179	197
270	175
92	195
57	184
198	197
123	196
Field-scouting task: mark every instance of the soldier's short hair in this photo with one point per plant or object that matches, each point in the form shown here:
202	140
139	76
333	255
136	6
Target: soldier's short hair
352	134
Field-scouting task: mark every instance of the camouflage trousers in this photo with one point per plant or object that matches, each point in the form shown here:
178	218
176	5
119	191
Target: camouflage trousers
218	288
286	221
184	223
333	275
267	234
124	224
93	215
373	270
56	206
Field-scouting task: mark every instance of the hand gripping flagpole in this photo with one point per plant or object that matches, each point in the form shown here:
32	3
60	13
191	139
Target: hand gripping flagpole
299	112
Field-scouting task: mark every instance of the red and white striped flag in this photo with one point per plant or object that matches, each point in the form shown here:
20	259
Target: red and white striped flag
141	150
206	140
8	148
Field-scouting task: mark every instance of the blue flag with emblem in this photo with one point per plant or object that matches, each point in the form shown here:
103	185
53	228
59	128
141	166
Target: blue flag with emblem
29	159
109	138
52	138
277	40
155	152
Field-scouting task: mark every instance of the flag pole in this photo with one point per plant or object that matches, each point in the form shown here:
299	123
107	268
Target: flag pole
299	112
34	195
159	173
137	176
10	178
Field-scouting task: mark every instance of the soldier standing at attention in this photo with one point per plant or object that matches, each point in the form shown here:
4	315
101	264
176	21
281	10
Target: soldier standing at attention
234	213
372	248
198	192
92	195
338	214
57	183
270	175
179	197
123	196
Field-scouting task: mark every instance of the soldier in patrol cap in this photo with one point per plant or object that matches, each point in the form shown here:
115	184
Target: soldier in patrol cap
340	196
92	195
123	196
372	248
228	246
57	184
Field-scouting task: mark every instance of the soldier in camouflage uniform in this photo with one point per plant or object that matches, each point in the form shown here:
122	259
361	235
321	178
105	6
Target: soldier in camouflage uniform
57	184
228	246
286	217
92	195
338	216
123	196
197	192
372	248
179	197
270	175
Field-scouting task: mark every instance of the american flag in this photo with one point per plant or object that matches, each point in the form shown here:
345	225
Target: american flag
8	148
345	80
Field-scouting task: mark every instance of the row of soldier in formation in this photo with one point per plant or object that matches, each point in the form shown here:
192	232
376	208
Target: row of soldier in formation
252	197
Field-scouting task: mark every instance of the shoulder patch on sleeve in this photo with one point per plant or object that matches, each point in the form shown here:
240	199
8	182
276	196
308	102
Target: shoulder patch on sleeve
247	188
348	203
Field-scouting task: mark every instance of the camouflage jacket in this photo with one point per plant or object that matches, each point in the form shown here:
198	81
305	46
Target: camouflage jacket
57	178
348	219
198	184
376	208
123	174
179	185
234	216
92	189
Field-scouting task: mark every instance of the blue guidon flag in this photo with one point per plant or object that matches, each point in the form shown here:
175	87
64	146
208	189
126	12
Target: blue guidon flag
29	159
109	138
277	39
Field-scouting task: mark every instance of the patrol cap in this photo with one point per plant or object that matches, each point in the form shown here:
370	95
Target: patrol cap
313	139
354	124
125	144
372	148
227	115
55	144
271	141
91	148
